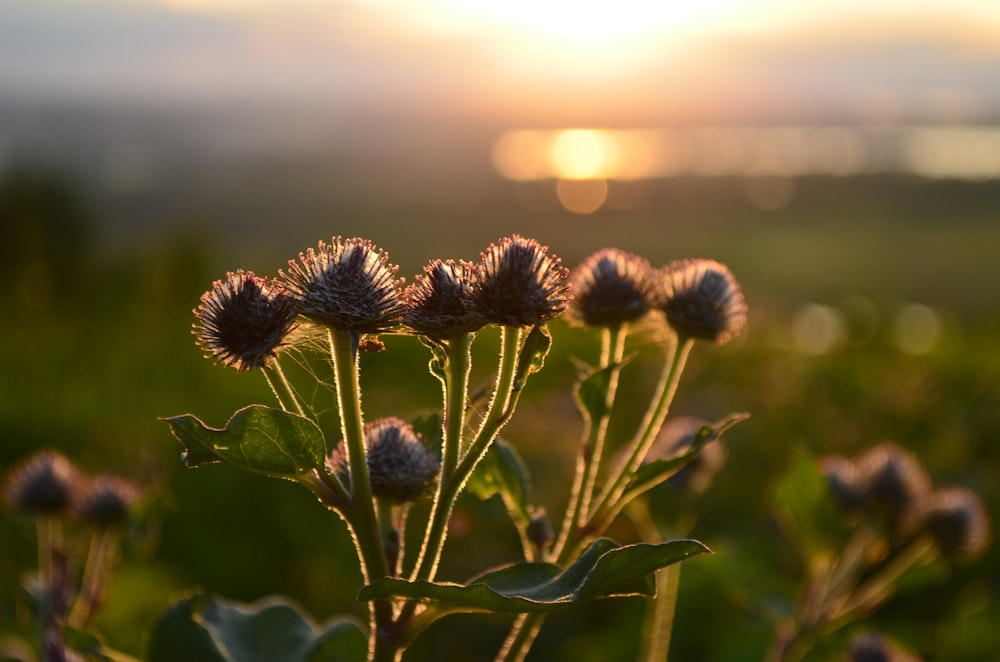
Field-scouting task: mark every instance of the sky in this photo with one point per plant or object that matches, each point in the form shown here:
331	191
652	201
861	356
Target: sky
532	61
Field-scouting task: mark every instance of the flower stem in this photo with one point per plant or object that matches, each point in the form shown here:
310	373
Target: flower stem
453	479
523	633
360	515
592	447
94	577
609	502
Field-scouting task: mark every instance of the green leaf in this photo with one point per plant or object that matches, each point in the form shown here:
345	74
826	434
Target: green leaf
257	438
603	570
532	356
438	365
206	628
503	472
592	392
342	641
91	647
654	472
429	427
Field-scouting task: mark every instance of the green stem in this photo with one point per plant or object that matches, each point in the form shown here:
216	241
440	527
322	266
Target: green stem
877	589
515	648
94	575
592	448
451	483
361	513
609	502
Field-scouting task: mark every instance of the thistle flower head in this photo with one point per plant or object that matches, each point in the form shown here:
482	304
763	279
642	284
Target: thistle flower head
400	466
701	299
520	284
956	520
439	302
347	285
895	487
611	287
844	481
242	321
106	501
43	483
871	647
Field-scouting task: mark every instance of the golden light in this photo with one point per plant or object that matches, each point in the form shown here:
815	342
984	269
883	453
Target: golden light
583	154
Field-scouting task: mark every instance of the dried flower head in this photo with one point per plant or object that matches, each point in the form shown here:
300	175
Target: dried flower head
871	647
844	481
701	299
106	501
439	302
43	483
400	466
520	284
611	287
895	487
957	521
242	321
346	284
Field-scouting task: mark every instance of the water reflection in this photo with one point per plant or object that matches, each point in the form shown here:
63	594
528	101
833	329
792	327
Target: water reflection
768	158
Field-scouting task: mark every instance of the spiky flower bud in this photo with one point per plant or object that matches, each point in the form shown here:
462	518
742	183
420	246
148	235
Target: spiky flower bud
347	285
895	487
520	284
439	302
43	483
871	647
400	466
611	287
844	481
242	321
106	501
957	521
702	300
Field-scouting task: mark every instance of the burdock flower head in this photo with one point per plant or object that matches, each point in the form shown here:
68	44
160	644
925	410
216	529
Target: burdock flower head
439	302
611	287
895	487
956	520
400	466
243	321
43	483
701	299
520	284
106	501
844	481
347	284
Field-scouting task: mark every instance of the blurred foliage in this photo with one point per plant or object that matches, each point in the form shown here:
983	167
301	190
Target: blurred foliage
91	366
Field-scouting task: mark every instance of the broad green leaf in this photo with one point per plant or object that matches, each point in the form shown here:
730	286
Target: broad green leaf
654	472
342	641
603	570
257	438
533	353
176	635
503	472
91	647
206	628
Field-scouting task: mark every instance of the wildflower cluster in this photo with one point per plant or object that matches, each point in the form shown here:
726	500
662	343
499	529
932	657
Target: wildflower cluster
898	521
349	290
58	495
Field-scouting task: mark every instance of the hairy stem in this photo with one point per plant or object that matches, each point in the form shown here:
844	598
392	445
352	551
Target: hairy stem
360	514
592	447
609	502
